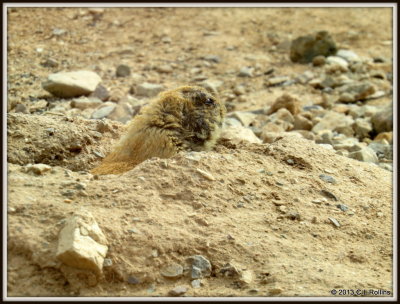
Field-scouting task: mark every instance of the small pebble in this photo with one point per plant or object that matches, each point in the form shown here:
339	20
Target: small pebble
196	283
206	174
328	194
327	178
133	280
123	70
107	263
172	271
334	222
342	207
178	291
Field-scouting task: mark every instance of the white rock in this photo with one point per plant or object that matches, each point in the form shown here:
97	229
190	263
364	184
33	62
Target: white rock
149	89
337	60
240	133
71	84
332	121
81	243
348	55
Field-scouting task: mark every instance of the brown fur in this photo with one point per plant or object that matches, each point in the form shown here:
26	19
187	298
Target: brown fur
187	118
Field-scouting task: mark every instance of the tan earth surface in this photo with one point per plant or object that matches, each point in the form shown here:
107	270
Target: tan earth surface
259	213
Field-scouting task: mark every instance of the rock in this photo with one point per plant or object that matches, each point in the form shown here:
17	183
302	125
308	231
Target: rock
71	84
356	91
239	90
172	271
287	101
382	150
342	207
334	222
302	123
21	108
283	115
149	89
246	118
211	86
81	243
362	128
246	277
104	111
177	291
206	174
201	263
303	49
365	155
212	58
49	63
306	134
270	137
165	68
338	61
319	60
38	169
333	121
83	103
230	121
107	263
58	32
133	280
383	120
196	283
196	273
123	112
364	111
268	128
275	81
328	194
274	291
348	55
101	93
123	70
246	72
239	133
388	136
327	178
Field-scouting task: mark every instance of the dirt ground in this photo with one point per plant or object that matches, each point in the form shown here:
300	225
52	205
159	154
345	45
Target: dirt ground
264	210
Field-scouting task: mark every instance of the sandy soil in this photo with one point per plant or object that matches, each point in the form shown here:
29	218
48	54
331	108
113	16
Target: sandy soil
256	212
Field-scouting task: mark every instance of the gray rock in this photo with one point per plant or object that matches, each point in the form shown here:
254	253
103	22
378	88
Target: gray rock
342	207
71	84
383	120
149	89
172	271
133	280
123	112
101	93
104	111
21	108
303	49
107	263
58	32
327	178
361	112
195	273
246	72
178	291
329	194
201	263
123	70
382	150
365	155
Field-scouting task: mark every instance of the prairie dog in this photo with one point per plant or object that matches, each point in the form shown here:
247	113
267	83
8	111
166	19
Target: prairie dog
187	118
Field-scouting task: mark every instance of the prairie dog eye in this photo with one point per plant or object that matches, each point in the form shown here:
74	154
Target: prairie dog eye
209	101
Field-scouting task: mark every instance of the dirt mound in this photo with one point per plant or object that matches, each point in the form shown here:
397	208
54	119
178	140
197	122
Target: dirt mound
266	209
